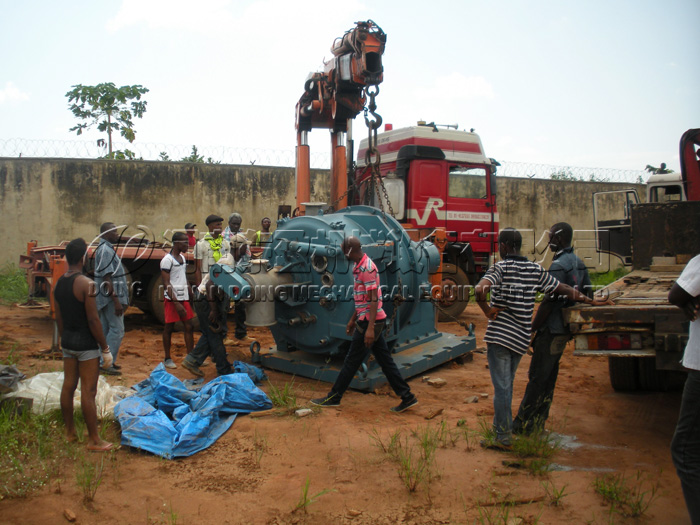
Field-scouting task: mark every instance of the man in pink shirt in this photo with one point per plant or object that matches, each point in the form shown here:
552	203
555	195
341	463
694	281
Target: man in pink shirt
366	325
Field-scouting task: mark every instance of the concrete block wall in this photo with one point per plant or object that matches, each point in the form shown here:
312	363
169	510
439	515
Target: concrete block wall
59	199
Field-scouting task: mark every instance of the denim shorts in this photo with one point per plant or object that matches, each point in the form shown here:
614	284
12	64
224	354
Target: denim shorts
81	355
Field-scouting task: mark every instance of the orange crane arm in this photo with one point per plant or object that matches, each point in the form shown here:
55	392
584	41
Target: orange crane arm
334	97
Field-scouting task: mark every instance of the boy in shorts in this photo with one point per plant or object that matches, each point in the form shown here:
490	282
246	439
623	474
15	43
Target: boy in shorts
81	340
176	295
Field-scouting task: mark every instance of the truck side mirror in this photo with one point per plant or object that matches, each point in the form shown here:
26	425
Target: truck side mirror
493	168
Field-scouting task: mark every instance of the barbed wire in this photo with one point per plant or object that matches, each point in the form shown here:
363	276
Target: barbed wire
84	149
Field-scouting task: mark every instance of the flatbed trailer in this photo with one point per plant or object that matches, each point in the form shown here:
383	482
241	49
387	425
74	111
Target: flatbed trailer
642	334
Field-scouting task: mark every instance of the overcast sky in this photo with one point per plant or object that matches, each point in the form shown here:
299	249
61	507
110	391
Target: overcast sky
576	83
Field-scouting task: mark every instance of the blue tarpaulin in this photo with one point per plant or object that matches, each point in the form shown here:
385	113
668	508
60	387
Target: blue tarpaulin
168	419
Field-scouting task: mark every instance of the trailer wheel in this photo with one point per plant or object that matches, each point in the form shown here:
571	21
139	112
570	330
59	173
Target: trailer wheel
624	373
157	306
650	378
655	380
455	292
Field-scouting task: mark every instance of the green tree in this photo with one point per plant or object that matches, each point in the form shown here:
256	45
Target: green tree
111	108
192	157
563	174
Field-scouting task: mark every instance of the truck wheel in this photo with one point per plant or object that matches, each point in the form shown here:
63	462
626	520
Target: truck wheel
624	373
157	307
455	293
155	298
655	380
650	378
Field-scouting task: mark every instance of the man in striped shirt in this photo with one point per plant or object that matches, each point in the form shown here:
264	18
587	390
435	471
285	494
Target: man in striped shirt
552	332
366	326
513	282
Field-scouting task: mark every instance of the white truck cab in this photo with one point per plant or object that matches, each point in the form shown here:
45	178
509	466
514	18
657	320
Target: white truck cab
666	187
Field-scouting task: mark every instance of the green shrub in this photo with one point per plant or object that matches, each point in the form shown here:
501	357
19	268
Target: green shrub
13	285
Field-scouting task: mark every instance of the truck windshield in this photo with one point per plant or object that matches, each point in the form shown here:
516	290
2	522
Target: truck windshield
665	193
467	182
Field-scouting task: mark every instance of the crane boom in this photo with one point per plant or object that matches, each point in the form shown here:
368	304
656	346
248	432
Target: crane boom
332	98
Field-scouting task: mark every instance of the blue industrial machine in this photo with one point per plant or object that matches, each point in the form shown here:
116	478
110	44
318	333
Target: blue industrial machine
302	289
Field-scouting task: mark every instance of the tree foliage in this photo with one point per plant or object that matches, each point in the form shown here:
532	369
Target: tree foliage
194	157
109	107
566	174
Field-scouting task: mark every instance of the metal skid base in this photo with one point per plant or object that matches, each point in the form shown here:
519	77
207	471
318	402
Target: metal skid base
411	362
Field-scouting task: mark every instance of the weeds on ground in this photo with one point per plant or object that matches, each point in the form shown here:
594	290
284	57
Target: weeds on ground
468	434
31	450
554	494
415	467
13	285
389	446
486	432
493	515
284	397
415	455
305	500
259	447
630	496
609	518
13	355
167	516
88	476
537	448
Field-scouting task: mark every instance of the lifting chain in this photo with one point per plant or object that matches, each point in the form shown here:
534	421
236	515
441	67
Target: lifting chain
398	301
460	323
332	205
375	181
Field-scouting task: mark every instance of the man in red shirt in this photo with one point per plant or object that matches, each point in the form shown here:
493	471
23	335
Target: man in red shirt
366	325
191	238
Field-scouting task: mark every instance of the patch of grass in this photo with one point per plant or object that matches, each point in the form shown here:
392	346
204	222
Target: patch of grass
171	517
31	450
168	516
494	515
259	447
13	285
414	467
13	355
630	496
486	432
599	280
284	397
537	448
415	463
305	500
555	495
428	438
388	446
88	476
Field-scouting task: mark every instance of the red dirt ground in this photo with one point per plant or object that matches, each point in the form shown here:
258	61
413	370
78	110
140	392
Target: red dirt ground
256	472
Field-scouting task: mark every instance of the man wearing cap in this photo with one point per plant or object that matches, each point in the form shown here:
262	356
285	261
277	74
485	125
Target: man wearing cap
210	305
191	239
242	260
112	292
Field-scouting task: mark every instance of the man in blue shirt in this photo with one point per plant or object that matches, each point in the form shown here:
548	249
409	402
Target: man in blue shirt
112	291
552	333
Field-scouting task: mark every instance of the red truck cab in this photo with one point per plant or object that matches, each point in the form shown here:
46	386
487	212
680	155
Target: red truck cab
437	177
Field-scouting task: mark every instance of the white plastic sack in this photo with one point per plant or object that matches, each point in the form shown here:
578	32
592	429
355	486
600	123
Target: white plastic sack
45	390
